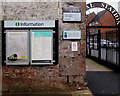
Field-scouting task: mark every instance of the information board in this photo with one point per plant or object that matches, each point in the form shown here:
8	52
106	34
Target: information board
41	47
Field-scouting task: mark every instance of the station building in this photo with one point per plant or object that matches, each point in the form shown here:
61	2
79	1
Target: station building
43	43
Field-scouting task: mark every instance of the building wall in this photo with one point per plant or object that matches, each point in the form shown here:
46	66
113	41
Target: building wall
71	67
90	17
0	50
107	20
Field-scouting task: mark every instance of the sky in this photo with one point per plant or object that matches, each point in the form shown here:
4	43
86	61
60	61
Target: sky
113	3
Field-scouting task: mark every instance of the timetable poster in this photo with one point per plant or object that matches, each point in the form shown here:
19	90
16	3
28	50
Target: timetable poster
41	47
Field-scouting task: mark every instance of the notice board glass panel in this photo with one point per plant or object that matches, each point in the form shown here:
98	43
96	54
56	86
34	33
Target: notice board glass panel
17	47
41	47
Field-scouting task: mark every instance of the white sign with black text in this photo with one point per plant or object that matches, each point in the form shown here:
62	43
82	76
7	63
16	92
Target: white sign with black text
74	46
72	17
72	14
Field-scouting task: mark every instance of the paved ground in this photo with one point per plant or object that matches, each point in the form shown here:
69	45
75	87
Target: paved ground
94	66
72	93
102	81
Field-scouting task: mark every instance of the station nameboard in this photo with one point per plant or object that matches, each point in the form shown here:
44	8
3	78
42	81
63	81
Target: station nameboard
29	24
108	8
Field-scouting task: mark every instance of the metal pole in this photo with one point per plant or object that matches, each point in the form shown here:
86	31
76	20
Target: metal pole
99	45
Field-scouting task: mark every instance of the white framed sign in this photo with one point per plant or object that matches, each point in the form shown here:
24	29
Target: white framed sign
74	46
72	14
72	34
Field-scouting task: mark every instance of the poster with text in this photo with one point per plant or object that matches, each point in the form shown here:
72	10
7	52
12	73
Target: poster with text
41	47
16	47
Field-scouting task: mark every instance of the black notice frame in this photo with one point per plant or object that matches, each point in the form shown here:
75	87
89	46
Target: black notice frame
55	45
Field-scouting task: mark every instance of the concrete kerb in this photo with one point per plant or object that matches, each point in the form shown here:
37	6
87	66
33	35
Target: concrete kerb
85	92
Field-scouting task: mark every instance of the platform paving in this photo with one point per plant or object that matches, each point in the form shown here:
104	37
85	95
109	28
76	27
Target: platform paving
94	66
102	81
85	92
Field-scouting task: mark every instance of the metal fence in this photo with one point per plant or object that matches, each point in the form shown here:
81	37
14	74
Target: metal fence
104	46
112	49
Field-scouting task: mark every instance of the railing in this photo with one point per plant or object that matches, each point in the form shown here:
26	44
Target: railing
103	45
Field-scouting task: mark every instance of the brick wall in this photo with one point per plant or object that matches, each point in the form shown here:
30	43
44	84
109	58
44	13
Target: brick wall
71	67
107	20
0	50
90	17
